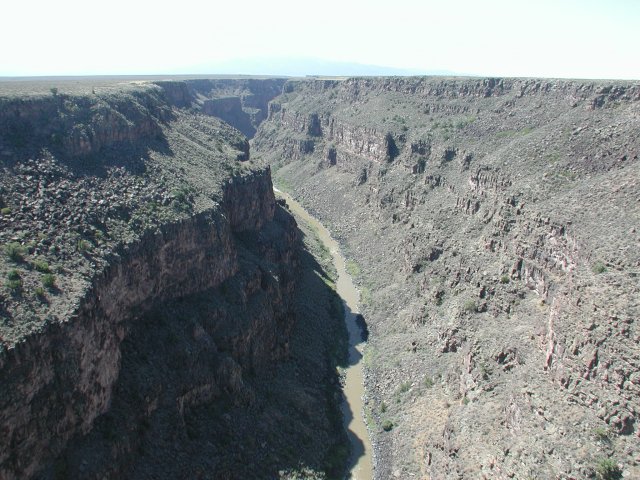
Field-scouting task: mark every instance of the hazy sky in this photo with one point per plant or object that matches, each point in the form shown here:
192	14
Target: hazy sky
550	38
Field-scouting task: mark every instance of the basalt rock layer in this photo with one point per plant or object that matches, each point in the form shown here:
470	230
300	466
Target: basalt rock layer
494	228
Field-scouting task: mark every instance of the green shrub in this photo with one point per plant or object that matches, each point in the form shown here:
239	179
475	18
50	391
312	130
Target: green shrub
39	292
48	280
13	275
428	382
506	134
387	425
353	268
173	339
504	279
469	306
383	407
5	211
14	251
83	245
599	268
607	469
404	387
14	282
41	266
601	434
334	462
14	285
181	199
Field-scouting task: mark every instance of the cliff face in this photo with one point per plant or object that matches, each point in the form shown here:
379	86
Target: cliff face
242	103
80	126
146	208
59	379
494	222
192	351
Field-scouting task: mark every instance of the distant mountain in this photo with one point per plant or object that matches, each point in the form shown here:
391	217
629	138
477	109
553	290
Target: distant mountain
301	67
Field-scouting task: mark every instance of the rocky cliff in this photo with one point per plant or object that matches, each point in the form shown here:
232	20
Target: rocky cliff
242	103
149	284
493	224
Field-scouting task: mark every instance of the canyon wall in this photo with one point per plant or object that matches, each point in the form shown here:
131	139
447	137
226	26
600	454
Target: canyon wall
154	279
493	227
242	103
60	378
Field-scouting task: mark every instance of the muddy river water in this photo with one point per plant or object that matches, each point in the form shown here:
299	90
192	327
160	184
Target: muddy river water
360	463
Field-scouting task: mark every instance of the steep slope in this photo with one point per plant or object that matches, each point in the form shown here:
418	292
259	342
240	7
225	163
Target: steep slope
494	224
148	317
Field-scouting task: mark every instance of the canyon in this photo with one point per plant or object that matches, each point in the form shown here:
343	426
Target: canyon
164	315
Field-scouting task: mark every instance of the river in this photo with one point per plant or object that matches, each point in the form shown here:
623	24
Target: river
360	463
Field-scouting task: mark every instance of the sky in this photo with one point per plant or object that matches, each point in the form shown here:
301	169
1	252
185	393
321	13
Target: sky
523	38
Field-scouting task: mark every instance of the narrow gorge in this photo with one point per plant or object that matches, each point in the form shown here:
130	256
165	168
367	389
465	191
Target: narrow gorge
163	315
360	465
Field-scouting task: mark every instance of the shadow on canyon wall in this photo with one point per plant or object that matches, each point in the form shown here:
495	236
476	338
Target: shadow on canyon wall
196	398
